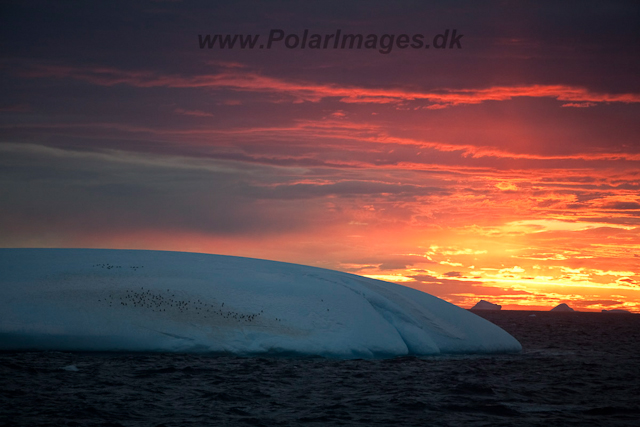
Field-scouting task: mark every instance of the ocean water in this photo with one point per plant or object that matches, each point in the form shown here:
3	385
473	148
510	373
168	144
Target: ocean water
576	369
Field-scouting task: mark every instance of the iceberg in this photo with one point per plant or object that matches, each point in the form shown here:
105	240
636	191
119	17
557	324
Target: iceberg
138	300
562	307
486	305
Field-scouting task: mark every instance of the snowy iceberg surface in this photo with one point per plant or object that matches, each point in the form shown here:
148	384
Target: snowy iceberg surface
130	300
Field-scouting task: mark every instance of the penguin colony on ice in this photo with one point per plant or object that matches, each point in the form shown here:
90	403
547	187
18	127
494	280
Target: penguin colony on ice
167	301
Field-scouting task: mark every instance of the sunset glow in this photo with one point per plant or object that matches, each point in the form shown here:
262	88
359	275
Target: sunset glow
508	170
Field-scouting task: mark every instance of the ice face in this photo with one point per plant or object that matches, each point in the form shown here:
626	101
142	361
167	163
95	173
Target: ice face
124	300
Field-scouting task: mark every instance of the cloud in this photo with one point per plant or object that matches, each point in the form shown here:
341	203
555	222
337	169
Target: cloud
453	274
72	192
195	113
238	79
622	205
301	191
15	108
335	143
579	104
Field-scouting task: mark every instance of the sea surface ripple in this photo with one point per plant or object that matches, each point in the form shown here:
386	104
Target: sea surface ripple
575	369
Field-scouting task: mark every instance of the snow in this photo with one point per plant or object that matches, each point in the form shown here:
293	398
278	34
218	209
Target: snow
129	300
486	305
562	307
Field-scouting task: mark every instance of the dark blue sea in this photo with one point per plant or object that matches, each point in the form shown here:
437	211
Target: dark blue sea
576	369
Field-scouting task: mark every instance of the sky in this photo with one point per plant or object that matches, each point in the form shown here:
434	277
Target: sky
501	164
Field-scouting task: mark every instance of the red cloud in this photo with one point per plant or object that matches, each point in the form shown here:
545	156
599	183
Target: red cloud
240	80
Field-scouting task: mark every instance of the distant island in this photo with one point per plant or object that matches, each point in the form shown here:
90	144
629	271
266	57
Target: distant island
486	305
562	307
616	310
